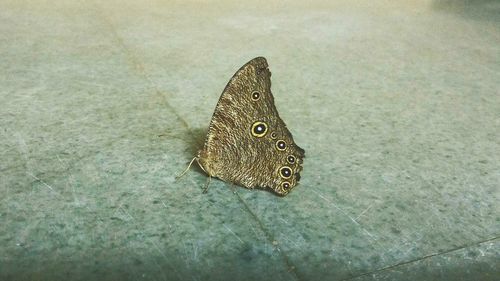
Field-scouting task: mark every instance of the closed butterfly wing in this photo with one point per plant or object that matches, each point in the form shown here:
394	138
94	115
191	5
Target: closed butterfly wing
247	142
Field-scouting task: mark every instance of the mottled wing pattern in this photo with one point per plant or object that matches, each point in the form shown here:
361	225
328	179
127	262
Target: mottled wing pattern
247	142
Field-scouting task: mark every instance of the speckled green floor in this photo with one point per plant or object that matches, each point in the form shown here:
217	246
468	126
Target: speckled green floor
103	103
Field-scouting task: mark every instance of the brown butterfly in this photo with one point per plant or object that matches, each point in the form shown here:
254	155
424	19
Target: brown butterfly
247	142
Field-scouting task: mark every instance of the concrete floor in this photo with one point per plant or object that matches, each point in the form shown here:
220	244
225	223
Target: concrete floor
396	105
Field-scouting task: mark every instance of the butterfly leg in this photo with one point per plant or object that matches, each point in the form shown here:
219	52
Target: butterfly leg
207	184
187	169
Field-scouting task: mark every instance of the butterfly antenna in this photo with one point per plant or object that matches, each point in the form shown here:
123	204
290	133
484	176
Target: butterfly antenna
207	184
185	171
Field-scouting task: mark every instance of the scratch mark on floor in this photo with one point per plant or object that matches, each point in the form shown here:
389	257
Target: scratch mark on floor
254	232
126	212
362	213
163	203
296	245
283	220
70	180
346	214
44	183
233	233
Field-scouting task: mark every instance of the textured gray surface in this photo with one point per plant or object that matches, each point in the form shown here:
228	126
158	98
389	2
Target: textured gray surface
397	107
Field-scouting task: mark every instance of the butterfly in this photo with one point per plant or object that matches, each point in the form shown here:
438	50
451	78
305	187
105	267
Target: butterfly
247	143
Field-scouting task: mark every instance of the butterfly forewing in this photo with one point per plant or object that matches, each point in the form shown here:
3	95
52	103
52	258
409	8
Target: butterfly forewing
247	142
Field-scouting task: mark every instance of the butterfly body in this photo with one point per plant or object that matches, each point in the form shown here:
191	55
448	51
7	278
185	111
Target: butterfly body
247	142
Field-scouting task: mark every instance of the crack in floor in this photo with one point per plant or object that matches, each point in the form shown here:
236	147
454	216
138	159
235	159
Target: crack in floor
270	237
422	258
139	66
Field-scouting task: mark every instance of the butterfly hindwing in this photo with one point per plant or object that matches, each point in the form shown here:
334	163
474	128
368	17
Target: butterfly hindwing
247	142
